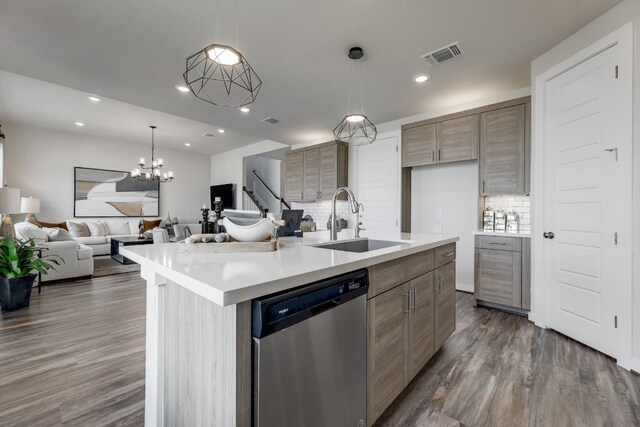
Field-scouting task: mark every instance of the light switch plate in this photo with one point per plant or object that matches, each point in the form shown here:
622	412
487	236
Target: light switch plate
438	214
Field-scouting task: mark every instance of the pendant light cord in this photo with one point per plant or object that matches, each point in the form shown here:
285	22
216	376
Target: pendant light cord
217	21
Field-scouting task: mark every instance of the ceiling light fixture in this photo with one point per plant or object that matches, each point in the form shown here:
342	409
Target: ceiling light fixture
355	128
183	88
79	124
154	174
421	78
244	109
221	130
93	98
220	74
187	144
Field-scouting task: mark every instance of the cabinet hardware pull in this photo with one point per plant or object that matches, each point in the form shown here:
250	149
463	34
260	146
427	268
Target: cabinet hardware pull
483	190
438	288
451	254
412	301
438	154
500	244
408	304
433	156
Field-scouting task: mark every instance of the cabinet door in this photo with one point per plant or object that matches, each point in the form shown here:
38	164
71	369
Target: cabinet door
386	340
294	176
445	301
328	172
498	277
502	151
311	175
457	139
421	323
419	146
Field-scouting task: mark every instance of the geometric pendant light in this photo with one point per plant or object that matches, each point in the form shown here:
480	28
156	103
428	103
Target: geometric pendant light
221	75
355	128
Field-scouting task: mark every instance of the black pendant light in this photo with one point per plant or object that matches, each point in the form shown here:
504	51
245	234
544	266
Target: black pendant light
221	75
355	128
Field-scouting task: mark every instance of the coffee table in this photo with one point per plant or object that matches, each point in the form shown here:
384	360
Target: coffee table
117	242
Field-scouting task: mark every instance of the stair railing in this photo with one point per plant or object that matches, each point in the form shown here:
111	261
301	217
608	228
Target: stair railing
252	197
280	199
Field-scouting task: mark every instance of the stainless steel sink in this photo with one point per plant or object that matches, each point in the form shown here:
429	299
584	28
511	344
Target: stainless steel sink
363	245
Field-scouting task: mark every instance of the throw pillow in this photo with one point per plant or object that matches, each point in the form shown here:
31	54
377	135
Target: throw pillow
150	225
57	234
26	231
78	229
42	224
98	228
117	228
31	218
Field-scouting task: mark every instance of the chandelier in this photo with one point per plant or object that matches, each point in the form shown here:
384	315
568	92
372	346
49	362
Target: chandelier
220	74
154	173
355	128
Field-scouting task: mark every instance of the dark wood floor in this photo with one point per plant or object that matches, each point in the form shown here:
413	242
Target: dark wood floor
76	357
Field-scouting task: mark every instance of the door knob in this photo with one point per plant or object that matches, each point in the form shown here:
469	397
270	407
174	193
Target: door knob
548	235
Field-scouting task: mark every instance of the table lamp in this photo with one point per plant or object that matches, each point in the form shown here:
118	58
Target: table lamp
9	204
30	206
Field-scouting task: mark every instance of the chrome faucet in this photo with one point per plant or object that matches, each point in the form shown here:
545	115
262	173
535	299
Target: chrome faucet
355	208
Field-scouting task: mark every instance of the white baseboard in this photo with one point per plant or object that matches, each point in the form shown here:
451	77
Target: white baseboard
464	287
635	365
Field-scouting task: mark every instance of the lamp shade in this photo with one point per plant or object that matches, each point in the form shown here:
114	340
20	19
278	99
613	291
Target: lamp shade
9	200
29	205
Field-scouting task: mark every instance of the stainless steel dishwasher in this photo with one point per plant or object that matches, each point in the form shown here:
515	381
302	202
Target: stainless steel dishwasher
309	355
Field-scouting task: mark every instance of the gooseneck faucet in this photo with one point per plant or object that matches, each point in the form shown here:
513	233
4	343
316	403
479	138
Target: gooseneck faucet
355	208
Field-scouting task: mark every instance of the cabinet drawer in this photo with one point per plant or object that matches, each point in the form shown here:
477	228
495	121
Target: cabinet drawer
445	254
390	274
499	243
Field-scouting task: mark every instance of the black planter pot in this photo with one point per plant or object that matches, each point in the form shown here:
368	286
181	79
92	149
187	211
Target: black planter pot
16	293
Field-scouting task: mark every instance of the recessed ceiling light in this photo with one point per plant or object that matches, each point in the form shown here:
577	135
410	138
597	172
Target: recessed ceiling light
221	130
244	109
93	98
182	88
421	78
79	124
187	144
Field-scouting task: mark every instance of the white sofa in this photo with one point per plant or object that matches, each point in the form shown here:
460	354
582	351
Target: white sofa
101	243
77	259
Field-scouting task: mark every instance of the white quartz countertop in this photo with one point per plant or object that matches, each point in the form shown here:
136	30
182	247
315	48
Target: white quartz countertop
228	279
501	234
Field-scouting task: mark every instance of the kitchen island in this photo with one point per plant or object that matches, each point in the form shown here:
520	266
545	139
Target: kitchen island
198	334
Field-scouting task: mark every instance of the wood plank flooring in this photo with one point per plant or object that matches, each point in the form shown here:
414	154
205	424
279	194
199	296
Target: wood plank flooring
76	357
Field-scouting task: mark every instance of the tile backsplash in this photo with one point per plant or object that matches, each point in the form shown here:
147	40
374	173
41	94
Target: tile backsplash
520	204
320	211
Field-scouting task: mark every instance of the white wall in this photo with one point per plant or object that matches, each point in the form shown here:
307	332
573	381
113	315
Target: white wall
228	167
449	191
40	163
627	11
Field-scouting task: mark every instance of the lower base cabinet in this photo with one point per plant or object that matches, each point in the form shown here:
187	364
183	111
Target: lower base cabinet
407	324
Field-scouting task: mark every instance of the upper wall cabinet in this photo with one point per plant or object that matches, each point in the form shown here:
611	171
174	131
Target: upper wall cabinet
419	146
457	139
315	173
502	151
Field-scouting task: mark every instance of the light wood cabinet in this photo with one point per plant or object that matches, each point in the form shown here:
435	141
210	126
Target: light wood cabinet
502	271
445	302
419	146
421	323
502	151
315	173
457	139
408	320
386	339
294	176
311	175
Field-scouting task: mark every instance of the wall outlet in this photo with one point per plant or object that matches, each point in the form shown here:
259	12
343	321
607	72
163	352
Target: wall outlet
438	214
437	228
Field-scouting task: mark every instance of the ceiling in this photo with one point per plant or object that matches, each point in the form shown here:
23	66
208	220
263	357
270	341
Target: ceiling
135	51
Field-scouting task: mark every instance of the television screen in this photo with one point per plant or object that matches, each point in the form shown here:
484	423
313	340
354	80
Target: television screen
225	192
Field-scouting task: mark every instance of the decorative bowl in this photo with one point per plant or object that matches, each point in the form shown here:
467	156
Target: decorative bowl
256	232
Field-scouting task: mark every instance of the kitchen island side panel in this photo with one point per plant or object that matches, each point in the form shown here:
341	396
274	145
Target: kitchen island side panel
207	361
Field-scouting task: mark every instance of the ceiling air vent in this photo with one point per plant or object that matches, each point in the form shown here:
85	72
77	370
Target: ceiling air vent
209	135
270	120
443	54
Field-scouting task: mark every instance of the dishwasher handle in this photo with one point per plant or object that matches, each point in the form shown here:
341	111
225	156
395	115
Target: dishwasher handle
327	305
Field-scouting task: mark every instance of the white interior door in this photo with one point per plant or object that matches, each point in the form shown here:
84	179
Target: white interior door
377	185
588	178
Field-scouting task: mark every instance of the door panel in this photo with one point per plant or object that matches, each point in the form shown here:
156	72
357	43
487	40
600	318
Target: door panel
587	200
457	139
311	175
419	146
499	277
421	323
294	176
328	171
445	282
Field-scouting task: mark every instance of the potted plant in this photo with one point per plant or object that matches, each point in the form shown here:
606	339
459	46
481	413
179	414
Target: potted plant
20	263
